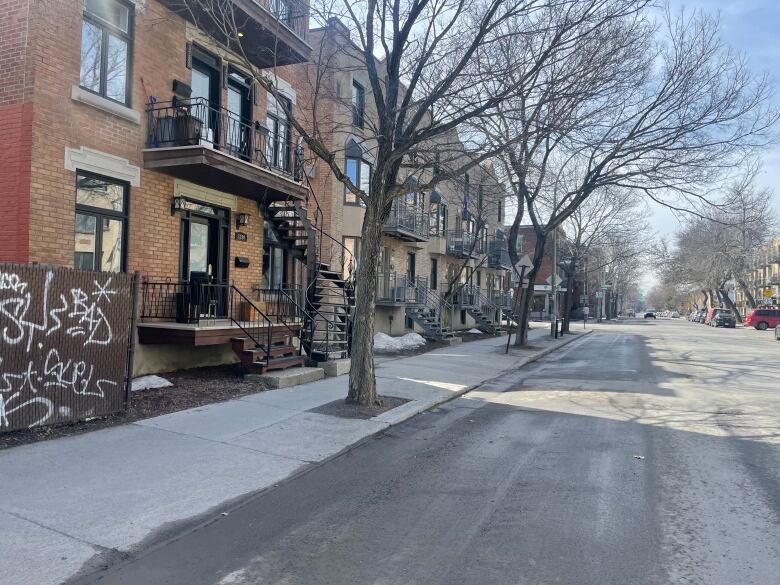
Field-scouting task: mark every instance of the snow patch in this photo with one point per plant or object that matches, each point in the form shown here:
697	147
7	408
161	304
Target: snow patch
149	383
385	343
474	331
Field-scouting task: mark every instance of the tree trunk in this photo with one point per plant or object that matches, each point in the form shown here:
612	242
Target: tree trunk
567	302
746	291
521	340
362	381
730	304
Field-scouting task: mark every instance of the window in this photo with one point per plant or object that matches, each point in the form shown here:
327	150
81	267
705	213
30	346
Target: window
479	278
278	147
438	219
352	254
480	198
359	172
434	274
500	211
106	41
358	104
101	223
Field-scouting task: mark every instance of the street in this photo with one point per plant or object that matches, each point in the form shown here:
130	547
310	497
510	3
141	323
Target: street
646	453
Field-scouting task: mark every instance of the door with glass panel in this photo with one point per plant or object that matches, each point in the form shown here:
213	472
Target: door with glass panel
205	100
204	265
238	124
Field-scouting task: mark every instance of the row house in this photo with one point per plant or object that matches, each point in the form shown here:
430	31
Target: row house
449	236
135	141
762	278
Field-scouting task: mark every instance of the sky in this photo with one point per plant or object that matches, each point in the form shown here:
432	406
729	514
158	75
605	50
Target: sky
751	27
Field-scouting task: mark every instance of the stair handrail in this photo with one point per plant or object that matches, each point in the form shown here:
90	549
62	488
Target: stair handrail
310	322
265	319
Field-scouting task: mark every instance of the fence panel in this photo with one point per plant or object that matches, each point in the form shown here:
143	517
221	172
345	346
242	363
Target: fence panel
65	344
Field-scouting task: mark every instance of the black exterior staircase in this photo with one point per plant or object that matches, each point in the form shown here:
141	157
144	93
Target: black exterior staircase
329	298
429	311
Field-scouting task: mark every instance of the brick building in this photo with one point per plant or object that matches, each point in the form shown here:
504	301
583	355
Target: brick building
135	141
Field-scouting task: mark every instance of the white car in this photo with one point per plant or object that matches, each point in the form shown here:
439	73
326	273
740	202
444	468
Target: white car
777	333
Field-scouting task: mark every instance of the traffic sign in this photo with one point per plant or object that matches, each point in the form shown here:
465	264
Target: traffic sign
599	294
768	292
524	262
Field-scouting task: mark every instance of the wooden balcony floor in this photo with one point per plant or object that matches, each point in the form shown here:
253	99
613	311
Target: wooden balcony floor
209	331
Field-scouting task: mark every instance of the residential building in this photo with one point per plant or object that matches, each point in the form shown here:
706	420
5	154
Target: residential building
134	141
763	277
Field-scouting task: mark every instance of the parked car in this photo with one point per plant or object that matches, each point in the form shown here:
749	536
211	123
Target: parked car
649	315
777	333
723	318
675	315
700	316
763	318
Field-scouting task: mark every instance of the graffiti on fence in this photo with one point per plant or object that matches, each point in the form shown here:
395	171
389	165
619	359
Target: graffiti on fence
64	338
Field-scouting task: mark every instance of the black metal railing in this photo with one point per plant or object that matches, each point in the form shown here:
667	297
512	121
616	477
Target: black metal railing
203	303
498	253
291	13
198	122
464	244
409	219
284	303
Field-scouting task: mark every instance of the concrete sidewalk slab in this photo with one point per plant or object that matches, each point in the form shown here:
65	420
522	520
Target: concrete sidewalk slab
219	421
309	436
114	487
301	398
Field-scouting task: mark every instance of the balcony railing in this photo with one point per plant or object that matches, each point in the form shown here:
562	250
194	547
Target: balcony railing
467	296
198	122
400	290
498	253
292	14
500	298
464	244
408	222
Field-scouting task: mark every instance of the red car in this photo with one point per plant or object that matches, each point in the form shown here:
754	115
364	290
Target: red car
763	318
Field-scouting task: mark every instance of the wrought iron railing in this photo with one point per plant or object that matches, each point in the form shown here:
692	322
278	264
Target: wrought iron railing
198	122
498	253
464	244
291	13
203	303
408	218
390	288
501	298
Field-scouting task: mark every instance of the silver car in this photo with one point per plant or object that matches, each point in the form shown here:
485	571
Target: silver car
777	333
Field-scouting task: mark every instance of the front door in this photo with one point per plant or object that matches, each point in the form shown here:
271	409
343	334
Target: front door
204	265
411	266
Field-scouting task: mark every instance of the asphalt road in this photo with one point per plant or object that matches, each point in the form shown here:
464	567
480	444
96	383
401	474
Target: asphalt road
646	453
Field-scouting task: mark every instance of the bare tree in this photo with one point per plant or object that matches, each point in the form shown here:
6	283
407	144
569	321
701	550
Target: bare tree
663	108
428	75
610	226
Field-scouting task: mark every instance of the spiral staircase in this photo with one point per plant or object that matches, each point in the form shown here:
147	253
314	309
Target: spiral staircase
329	298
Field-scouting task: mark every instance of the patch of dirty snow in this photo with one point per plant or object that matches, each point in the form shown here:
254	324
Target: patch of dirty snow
385	343
149	382
474	331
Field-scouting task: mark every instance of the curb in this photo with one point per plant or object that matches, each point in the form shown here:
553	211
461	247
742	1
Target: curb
520	364
160	538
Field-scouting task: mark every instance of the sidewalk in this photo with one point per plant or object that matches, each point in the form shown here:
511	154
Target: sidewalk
84	498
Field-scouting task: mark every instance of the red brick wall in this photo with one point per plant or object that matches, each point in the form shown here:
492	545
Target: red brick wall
15	129
159	48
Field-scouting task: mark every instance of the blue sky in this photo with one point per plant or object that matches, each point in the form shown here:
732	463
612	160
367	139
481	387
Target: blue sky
752	27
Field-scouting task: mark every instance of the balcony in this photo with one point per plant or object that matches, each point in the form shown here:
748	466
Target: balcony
396	291
500	298
272	32
214	147
498	254
463	244
408	223
467	297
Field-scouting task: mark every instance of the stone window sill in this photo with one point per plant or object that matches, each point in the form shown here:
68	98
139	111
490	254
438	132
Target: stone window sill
85	97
